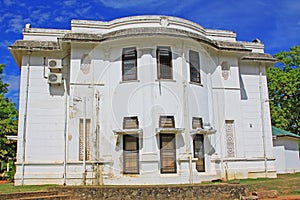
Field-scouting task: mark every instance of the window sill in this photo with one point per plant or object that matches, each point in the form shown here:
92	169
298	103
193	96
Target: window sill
127	131
195	83
165	80
169	174
131	175
203	131
129	81
169	130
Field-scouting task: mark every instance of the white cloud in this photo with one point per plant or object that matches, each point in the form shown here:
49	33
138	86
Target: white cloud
6	15
40	16
14	97
6	43
83	11
16	24
131	3
59	19
69	2
14	86
7	2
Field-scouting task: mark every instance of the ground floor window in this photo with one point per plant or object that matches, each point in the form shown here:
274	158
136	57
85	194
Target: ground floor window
199	152
168	153
131	154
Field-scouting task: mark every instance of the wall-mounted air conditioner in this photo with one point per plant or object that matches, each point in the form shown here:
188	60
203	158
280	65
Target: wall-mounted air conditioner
55	78
54	63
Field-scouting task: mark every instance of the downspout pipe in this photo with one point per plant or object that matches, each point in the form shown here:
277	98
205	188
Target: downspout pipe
84	143
186	112
25	118
65	133
66	121
263	121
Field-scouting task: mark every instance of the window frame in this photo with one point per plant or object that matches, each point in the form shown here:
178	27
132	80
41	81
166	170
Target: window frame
162	69
167	152
199	138
194	122
167	119
132	60
195	69
131	153
133	119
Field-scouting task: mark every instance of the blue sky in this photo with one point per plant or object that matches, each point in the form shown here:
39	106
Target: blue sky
275	22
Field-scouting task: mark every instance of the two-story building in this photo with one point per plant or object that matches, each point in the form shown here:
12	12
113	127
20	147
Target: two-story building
141	100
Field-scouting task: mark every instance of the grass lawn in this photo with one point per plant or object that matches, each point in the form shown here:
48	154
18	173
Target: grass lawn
10	188
285	184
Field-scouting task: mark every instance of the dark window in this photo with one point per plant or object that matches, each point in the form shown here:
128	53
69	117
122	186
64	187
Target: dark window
84	141
129	64
194	66
164	63
130	123
168	153
199	152
166	122
197	123
131	154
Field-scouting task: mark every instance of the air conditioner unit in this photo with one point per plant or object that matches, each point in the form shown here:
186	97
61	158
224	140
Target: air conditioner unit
55	78
54	64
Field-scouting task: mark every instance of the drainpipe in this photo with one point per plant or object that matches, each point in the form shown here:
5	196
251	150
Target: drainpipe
25	117
263	121
99	167
186	112
84	143
65	133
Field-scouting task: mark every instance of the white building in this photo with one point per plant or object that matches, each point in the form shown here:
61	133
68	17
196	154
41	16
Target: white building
141	100
286	151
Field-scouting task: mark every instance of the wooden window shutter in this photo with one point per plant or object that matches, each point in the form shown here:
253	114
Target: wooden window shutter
164	63
194	66
168	153
130	154
197	122
166	122
129	64
130	123
199	152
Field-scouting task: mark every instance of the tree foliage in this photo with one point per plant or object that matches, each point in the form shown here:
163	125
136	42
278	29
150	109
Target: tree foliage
8	121
284	90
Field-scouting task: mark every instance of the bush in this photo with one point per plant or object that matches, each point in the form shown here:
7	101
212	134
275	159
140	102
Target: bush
8	175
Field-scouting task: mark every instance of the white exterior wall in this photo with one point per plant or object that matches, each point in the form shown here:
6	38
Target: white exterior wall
96	91
44	125
286	151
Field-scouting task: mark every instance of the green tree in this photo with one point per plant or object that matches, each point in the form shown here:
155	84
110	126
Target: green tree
8	121
284	90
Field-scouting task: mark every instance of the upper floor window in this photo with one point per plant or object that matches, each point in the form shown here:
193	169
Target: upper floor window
197	122
166	122
129	64
194	66
130	123
164	63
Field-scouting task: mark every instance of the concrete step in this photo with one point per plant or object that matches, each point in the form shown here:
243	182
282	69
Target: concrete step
52	197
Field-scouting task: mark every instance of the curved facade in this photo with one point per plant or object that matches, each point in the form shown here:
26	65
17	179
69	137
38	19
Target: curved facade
141	100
